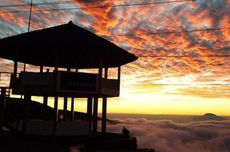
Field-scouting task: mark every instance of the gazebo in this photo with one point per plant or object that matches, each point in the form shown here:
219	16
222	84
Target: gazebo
67	48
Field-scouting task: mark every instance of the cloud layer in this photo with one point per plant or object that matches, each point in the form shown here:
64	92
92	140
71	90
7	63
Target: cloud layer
167	136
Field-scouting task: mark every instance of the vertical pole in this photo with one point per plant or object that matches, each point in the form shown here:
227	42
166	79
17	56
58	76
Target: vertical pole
65	108
55	115
104	114
45	103
15	68
24	67
65	104
41	69
26	111
100	75
119	78
45	98
2	102
30	15
89	112
55	118
95	113
104	107
72	109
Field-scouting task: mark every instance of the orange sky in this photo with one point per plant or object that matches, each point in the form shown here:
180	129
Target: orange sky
176	73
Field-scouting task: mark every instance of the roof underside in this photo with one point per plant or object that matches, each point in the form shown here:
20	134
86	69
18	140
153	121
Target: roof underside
67	46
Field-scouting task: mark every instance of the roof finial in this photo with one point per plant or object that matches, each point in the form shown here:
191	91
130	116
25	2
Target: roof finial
70	22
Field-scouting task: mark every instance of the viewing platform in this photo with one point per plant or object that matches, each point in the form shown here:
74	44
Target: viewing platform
60	52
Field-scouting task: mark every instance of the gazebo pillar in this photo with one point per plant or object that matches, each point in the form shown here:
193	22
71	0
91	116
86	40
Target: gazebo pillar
55	117
95	114
2	105
65	104
41	69
15	68
89	112
45	97
72	109
119	77
104	107
45	103
26	115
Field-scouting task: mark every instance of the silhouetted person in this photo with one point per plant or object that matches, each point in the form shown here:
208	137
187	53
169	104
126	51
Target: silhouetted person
125	132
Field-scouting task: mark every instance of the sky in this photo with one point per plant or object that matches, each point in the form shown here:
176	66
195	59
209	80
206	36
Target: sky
183	48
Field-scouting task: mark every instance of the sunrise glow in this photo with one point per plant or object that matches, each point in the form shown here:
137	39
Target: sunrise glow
183	49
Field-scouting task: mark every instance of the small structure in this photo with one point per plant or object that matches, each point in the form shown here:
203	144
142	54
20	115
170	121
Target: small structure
70	48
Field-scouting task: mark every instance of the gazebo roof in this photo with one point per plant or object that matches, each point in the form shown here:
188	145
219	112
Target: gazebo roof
67	45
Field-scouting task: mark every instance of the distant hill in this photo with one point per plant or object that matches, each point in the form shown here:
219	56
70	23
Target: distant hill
208	116
37	111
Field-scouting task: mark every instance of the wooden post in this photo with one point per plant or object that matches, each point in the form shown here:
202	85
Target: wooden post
104	114
24	67
45	103
15	68
119	78
104	108
65	108
26	116
55	117
41	69
72	109
95	113
100	75
89	112
2	103
65	104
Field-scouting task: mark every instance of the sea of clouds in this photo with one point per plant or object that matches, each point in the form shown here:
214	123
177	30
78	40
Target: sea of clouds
168	136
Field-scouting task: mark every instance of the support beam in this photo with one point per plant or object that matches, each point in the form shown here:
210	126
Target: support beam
26	115
2	105
65	104
41	69
72	109
104	115
104	108
100	72
45	103
24	67
89	112
15	68
55	115
65	108
119	77
95	113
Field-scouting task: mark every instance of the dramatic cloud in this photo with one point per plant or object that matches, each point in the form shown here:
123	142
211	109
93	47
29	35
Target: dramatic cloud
167	136
178	43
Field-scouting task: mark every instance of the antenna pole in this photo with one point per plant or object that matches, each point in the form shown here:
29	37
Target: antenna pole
30	15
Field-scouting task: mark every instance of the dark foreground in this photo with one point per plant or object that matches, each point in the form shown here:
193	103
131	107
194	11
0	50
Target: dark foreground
98	143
